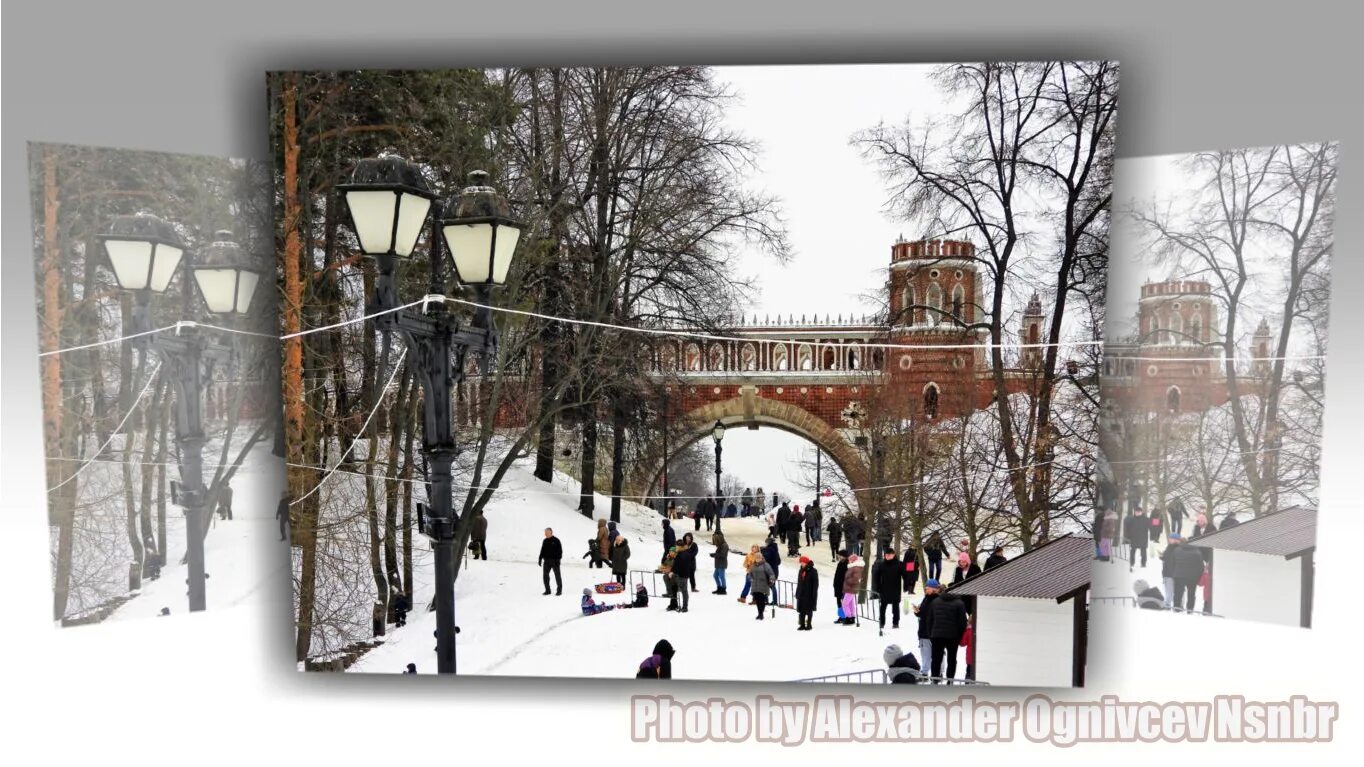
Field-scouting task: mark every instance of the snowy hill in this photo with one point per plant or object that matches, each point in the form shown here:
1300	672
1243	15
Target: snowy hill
509	628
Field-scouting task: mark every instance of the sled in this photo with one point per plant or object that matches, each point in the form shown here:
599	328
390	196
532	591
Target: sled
609	588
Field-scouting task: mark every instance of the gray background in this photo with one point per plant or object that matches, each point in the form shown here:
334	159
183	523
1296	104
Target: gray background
187	77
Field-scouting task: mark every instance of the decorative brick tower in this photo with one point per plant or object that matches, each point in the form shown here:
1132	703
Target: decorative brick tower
1259	349
1171	367
1030	333
934	294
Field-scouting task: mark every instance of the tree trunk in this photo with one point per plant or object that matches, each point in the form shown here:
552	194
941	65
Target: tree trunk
586	503
618	419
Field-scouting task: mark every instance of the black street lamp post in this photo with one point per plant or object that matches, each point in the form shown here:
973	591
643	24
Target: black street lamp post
717	433
144	253
389	203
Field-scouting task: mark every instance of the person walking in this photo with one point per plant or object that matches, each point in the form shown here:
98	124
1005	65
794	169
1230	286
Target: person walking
1201	525
1188	568
684	569
698	512
996	558
965	568
763	579
670	582
771	522
814	522
1177	516
946	625
886	578
759	502
794	523
1167	568
911	569
782	521
603	544
620	559
923	610
934	551
753	556
1134	531
772	555
669	538
852	583
225	503
807	594
551	552
840	574
1107	534
853	533
721	557
835	536
479	535
746	501
1155	528
282	514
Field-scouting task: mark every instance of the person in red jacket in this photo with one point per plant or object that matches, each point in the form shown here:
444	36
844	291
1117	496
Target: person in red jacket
968	640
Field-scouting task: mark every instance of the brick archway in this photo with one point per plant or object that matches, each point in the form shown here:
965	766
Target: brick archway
743	411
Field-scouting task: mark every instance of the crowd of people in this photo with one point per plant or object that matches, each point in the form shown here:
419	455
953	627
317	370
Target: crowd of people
1185	566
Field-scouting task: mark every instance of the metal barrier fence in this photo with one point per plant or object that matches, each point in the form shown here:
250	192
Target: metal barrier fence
881	676
870	676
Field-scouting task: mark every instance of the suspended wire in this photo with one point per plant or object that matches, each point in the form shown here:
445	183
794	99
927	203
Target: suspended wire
378	402
145	388
106	342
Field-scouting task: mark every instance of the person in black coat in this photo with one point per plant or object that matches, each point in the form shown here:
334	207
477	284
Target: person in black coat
1187	567
551	551
1134	530
934	551
1177	516
684	567
835	536
669	539
886	579
1228	522
910	569
853	532
946	624
783	519
807	594
840	572
772	555
996	558
282	515
794	523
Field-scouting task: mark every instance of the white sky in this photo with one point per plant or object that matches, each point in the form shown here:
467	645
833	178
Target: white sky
1161	182
832	200
803	118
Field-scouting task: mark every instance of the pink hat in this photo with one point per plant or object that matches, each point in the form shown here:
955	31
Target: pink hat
964	559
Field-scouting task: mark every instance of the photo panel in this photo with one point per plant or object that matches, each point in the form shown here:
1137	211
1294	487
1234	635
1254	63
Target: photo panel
1213	385
753	373
160	396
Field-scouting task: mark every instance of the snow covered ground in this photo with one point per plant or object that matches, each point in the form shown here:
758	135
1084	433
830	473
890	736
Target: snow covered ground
509	628
244	558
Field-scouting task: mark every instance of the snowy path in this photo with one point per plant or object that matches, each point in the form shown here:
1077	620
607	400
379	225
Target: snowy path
507	627
244	558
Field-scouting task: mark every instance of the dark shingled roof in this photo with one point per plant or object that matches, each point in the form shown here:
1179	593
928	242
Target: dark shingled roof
1284	533
1050	571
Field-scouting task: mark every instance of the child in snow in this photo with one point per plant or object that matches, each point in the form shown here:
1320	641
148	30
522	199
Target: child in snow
590	607
900	666
593	551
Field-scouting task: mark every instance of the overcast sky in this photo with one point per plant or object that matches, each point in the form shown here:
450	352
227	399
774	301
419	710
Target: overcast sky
803	118
1164	183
